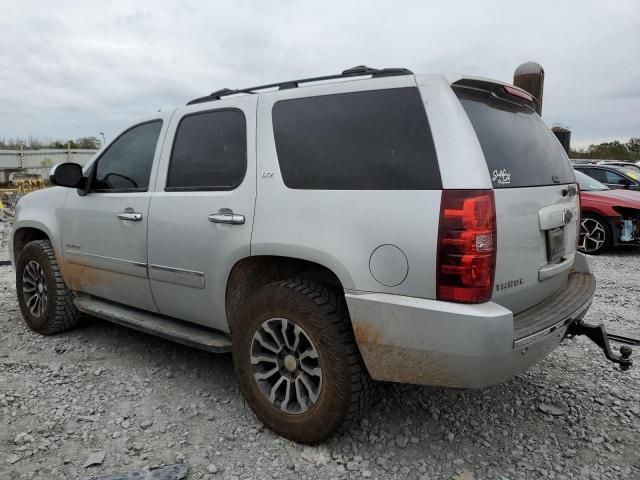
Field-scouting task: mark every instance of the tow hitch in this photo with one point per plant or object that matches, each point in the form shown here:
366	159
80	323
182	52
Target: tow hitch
600	337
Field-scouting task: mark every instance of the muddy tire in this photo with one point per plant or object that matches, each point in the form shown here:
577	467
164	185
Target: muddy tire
45	301
595	234
296	360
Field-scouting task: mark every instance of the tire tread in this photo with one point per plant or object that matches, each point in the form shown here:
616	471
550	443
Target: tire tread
65	315
333	303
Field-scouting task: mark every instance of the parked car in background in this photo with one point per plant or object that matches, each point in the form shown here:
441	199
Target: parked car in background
610	217
634	167
612	176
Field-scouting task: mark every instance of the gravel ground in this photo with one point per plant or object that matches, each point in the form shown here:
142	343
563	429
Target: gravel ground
145	402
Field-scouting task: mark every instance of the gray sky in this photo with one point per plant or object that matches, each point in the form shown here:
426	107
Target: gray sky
77	68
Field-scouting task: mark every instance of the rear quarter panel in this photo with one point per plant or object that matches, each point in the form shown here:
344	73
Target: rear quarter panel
340	229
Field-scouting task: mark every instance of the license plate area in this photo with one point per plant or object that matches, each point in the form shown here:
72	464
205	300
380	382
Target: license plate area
555	244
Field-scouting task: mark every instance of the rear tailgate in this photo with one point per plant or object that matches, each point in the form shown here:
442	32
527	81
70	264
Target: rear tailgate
537	206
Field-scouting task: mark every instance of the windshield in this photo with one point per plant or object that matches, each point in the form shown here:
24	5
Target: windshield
588	184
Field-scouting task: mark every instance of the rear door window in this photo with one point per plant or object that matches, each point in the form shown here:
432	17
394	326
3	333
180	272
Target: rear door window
209	152
598	174
519	148
370	140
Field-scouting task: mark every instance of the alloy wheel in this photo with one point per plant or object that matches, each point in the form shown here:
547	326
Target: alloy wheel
592	235
286	366
34	288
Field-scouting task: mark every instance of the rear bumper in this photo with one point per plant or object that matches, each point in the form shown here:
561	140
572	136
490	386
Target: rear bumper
412	340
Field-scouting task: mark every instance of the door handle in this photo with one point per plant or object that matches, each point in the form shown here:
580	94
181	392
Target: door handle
226	215
132	216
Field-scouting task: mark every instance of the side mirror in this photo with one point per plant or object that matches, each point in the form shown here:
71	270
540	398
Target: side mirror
67	175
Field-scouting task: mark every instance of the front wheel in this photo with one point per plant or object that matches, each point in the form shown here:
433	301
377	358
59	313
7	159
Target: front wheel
297	362
595	234
45	301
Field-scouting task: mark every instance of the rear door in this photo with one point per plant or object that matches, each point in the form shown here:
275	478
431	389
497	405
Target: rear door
201	214
537	206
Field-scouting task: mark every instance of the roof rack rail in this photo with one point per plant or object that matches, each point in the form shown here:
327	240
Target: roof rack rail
357	71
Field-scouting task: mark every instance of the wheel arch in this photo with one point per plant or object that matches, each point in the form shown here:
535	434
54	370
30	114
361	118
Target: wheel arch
250	273
27	232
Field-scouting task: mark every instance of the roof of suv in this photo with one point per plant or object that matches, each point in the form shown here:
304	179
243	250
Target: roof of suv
352	74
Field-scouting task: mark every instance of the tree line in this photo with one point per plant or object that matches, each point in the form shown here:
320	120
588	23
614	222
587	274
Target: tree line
34	143
610	150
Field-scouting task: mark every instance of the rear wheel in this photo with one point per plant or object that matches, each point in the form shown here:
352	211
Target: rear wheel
595	234
297	362
45	301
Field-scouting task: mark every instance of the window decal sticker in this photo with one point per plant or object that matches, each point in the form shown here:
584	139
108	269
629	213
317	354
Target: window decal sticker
502	176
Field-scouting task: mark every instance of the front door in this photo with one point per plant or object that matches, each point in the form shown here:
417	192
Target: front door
104	234
201	214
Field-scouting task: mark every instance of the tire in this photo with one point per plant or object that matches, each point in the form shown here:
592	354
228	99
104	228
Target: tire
339	389
595	234
37	271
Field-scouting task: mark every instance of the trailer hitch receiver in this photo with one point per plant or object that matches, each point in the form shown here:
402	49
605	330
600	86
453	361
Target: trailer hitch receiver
598	335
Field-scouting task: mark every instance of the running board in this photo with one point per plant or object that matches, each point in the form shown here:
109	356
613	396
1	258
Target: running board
155	324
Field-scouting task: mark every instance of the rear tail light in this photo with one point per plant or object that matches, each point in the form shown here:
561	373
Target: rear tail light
466	246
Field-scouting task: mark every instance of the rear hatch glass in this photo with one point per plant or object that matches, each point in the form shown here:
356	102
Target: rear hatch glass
536	211
519	148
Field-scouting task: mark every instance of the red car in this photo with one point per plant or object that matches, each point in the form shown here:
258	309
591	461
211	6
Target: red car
609	217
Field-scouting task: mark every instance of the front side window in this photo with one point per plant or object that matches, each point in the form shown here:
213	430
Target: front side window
209	152
126	165
369	140
613	177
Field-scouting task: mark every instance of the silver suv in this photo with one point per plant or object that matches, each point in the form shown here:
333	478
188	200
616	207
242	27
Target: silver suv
370	225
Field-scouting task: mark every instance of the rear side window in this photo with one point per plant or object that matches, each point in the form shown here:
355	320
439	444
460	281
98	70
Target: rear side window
371	140
209	152
519	148
126	165
599	175
605	176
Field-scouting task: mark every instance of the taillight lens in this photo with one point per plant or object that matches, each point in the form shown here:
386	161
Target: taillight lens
466	246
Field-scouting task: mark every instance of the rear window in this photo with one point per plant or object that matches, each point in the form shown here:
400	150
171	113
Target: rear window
371	140
519	148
